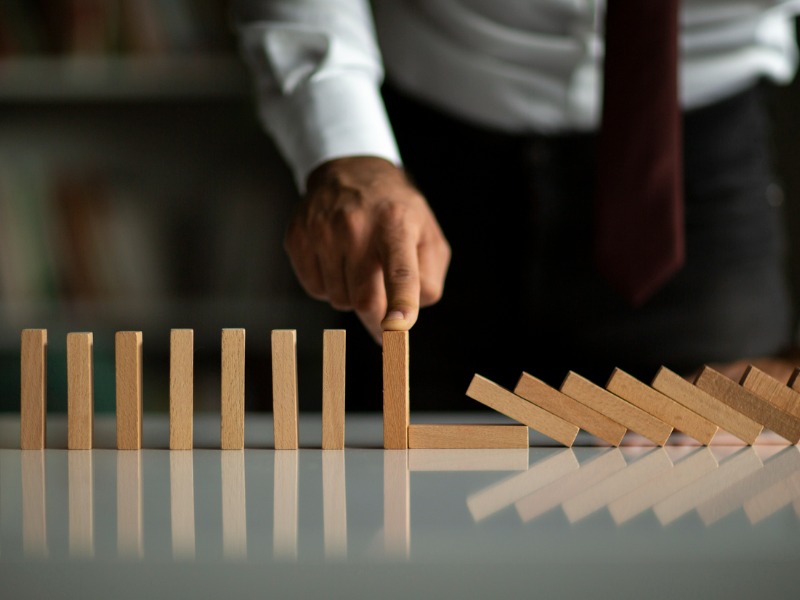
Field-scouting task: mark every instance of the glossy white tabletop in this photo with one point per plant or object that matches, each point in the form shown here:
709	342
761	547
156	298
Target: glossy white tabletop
636	522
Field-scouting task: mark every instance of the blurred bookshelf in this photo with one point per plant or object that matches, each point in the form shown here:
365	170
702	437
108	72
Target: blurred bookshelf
138	191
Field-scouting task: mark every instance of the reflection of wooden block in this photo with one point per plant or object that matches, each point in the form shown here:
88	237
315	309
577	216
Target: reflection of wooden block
284	388
617	409
181	388
80	392
333	382
33	399
747	403
515	459
773	498
129	389
232	400
519	409
395	390
569	409
467	436
773	391
705	405
661	407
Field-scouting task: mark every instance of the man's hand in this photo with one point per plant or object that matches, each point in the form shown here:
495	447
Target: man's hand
365	239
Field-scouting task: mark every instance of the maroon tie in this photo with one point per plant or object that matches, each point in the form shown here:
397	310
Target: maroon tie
639	231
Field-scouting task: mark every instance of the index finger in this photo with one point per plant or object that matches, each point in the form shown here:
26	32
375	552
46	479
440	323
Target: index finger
401	278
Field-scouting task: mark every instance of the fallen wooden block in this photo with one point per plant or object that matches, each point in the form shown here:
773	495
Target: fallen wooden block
128	353
661	407
333	382
676	387
80	391
181	389
232	399
395	390
467	436
617	409
747	403
492	395
569	409
284	389
773	391
33	396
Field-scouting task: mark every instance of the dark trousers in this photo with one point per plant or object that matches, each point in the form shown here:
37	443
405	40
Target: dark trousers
522	292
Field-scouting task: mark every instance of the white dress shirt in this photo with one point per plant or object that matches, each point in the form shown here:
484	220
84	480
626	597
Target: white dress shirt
511	65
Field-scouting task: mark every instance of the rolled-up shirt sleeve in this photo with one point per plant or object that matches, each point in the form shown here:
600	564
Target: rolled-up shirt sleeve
318	71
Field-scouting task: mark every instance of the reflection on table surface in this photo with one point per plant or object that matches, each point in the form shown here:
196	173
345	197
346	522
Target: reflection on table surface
369	504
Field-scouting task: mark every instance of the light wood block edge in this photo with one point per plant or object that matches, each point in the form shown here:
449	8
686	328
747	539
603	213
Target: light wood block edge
467	436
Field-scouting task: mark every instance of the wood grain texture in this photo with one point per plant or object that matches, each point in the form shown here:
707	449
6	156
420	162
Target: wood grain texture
284	389
80	391
704	404
747	403
129	389
334	350
773	391
615	408
33	389
232	400
569	409
495	397
661	407
467	436
181	389
396	390
794	380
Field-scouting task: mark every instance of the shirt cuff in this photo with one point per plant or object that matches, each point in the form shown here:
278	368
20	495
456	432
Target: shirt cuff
330	117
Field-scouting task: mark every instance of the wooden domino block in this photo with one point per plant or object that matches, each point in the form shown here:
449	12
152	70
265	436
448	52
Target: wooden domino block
232	400
661	407
333	382
617	409
747	403
794	380
704	404
569	409
396	395
80	391
181	389
492	395
467	436
128	351
33	395
773	391
284	388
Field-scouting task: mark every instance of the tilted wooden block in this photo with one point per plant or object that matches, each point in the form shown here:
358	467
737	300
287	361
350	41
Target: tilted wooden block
569	409
467	436
80	391
232	400
333	386
181	389
773	391
704	404
661	407
747	403
284	389
129	389
505	402
33	396
617	409
395	390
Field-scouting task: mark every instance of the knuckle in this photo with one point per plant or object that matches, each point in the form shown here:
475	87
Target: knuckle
402	274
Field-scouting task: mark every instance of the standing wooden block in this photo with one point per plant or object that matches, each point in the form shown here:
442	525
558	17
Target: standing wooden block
80	391
333	381
773	391
181	388
572	411
747	403
232	400
704	404
519	409
467	436
33	396
661	407
129	389
284	389
396	395
617	409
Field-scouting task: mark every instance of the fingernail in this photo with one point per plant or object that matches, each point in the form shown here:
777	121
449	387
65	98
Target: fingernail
395	315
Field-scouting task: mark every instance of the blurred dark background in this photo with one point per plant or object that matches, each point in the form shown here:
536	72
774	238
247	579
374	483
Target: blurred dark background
138	191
